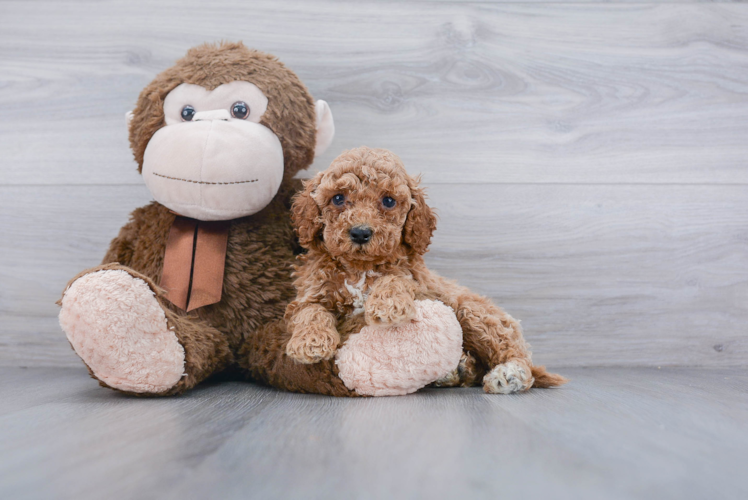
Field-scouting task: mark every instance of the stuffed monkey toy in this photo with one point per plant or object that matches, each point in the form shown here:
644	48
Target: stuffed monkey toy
195	275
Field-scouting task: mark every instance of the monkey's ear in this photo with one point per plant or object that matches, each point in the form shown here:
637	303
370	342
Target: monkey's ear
128	119
421	221
325	127
306	215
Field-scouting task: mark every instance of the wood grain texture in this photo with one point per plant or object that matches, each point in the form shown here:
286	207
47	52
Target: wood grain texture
599	275
582	93
588	160
611	433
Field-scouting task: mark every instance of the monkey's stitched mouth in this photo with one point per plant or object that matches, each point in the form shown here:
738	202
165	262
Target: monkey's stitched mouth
202	182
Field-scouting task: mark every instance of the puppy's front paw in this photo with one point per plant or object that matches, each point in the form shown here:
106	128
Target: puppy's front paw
313	346
389	311
509	377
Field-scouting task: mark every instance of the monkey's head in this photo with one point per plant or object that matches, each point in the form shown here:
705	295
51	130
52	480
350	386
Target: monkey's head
216	134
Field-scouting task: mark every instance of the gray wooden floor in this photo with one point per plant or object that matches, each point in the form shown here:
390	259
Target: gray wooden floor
677	433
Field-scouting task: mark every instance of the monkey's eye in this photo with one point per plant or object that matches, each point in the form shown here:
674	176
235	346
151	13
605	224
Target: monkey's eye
187	113
240	110
388	202
338	200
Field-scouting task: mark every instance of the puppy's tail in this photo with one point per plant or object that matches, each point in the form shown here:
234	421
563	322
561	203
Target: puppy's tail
544	379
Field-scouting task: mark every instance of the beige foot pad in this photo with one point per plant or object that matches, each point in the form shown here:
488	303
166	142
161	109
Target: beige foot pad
116	325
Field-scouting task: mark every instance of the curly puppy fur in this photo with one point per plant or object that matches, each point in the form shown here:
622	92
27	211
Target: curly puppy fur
389	273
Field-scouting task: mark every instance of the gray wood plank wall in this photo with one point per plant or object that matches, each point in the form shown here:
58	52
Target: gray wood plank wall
589	161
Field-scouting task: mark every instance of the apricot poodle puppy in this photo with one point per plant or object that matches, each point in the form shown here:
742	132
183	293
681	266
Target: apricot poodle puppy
366	226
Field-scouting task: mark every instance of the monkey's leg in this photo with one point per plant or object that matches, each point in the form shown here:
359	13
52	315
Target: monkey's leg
117	322
264	358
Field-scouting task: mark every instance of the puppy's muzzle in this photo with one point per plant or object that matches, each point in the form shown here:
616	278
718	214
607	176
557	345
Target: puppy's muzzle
360	234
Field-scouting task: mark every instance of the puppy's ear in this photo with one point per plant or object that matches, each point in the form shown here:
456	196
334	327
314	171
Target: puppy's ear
306	216
421	221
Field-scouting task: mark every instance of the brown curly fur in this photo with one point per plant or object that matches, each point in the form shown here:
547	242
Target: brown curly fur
261	248
390	266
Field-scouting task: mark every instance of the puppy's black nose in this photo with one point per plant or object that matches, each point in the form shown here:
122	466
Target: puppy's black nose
361	234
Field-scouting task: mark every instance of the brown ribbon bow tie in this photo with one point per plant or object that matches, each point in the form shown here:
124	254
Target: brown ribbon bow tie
194	262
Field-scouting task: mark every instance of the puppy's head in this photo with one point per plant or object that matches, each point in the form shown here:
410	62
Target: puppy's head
365	207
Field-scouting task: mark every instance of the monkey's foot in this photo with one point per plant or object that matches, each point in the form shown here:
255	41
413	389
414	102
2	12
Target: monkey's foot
116	325
509	377
397	360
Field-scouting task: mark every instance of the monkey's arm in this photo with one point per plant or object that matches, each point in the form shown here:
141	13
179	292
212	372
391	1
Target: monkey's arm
122	247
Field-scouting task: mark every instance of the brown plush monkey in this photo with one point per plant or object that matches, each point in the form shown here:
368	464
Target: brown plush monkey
190	281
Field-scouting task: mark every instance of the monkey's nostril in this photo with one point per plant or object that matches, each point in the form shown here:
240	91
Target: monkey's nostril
360	234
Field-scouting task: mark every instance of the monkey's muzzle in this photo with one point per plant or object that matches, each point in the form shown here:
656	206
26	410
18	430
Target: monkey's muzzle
214	168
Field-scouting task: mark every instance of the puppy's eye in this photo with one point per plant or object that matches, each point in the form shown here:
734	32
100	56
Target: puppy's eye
388	202
240	110
338	200
187	113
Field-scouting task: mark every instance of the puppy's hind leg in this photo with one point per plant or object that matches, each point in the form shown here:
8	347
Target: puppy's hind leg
496	339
